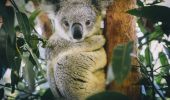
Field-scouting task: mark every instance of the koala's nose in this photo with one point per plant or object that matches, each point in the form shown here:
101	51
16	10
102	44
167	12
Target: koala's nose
77	31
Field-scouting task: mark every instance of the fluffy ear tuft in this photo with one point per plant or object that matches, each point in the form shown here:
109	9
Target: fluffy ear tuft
53	5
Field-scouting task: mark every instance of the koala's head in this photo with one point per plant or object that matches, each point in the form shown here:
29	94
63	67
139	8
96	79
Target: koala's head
74	20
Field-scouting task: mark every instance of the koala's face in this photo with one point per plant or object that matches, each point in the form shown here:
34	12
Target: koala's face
75	21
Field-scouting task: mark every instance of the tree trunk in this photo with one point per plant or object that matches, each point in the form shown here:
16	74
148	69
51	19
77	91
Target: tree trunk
120	28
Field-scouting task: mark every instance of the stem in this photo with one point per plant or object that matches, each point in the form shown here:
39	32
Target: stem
151	68
143	69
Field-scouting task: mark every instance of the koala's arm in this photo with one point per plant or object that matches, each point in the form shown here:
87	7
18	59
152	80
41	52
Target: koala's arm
89	44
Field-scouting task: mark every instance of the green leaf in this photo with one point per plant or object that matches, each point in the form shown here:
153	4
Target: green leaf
163	59
9	24
35	58
7	38
47	95
14	79
33	42
107	95
2	7
33	17
154	13
24	24
141	26
2	93
167	50
140	3
3	44
15	72
148	57
121	61
158	78
156	34
164	63
29	73
141	58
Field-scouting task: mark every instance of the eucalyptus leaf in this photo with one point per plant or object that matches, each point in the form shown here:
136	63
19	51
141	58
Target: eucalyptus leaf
47	95
35	58
164	62
107	95
8	19
141	26
3	58
33	42
3	44
29	73
167	78
154	13
33	17
140	3
1	93
158	33
7	38
2	7
121	61
148	57
167	50
15	78
24	24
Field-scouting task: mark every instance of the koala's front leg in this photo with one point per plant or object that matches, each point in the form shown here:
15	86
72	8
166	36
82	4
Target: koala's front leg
75	74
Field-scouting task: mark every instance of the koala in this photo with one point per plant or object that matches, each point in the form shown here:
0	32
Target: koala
75	55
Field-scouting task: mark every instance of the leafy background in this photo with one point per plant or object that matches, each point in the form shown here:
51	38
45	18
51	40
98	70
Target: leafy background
20	51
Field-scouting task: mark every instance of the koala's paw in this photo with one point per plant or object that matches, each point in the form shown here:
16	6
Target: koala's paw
96	41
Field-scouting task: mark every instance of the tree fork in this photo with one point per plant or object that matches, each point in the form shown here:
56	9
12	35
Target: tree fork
121	28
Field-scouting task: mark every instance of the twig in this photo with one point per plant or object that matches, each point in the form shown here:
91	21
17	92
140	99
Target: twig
161	67
149	80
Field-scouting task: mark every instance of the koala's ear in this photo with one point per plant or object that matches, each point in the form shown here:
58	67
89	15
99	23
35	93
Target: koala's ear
50	5
54	3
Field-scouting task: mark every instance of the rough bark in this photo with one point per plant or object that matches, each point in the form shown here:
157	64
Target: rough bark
120	28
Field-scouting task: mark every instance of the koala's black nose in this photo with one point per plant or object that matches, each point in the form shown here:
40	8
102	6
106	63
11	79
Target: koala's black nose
77	31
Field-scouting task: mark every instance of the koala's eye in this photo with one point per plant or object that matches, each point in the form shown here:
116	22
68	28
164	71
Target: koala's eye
88	22
66	23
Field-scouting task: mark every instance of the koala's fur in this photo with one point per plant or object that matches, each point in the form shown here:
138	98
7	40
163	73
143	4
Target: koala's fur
76	66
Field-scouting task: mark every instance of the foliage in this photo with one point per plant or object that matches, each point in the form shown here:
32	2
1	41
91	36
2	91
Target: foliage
19	44
7	38
154	75
121	61
109	95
